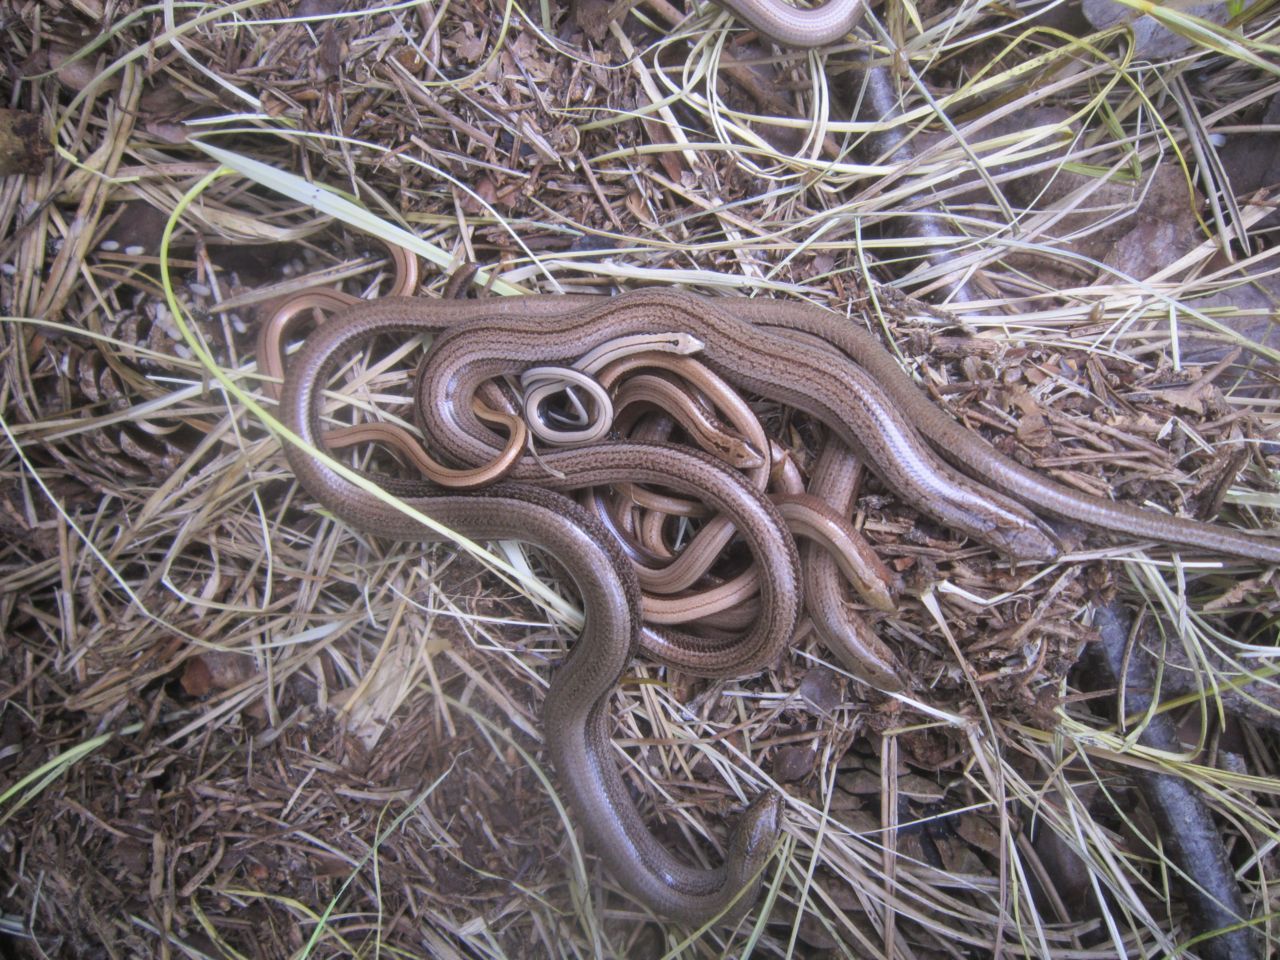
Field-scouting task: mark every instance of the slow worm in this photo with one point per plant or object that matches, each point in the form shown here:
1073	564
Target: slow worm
575	712
848	383
784	472
810	517
835	555
283	320
697	419
681	572
972	454
844	631
790	26
541	383
807	516
786	369
863	397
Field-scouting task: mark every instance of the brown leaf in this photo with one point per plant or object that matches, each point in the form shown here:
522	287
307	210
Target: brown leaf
1034	431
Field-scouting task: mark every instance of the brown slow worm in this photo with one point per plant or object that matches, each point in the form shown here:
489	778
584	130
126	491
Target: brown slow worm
719	396
789	26
861	567
681	572
836	555
784	473
558	329
540	383
576	722
813	518
806	515
284	319
863	398
972	454
575	712
846	634
697	419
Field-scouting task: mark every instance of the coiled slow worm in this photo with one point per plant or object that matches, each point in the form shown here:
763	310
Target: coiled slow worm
790	26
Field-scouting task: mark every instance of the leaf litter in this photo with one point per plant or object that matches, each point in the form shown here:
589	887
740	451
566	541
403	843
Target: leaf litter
232	727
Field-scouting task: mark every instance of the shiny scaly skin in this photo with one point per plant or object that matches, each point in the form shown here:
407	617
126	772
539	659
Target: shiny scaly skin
838	553
789	26
843	630
765	346
698	555
813	518
838	351
281	322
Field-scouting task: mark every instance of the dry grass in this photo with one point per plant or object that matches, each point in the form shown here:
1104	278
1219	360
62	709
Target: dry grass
233	727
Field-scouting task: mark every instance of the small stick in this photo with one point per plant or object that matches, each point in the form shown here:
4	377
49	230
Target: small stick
1182	818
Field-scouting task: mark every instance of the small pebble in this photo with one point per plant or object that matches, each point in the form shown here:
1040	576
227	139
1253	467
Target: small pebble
821	688
199	289
109	245
793	763
134	250
1152	39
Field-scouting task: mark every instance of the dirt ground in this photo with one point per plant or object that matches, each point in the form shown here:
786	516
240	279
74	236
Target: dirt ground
233	726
